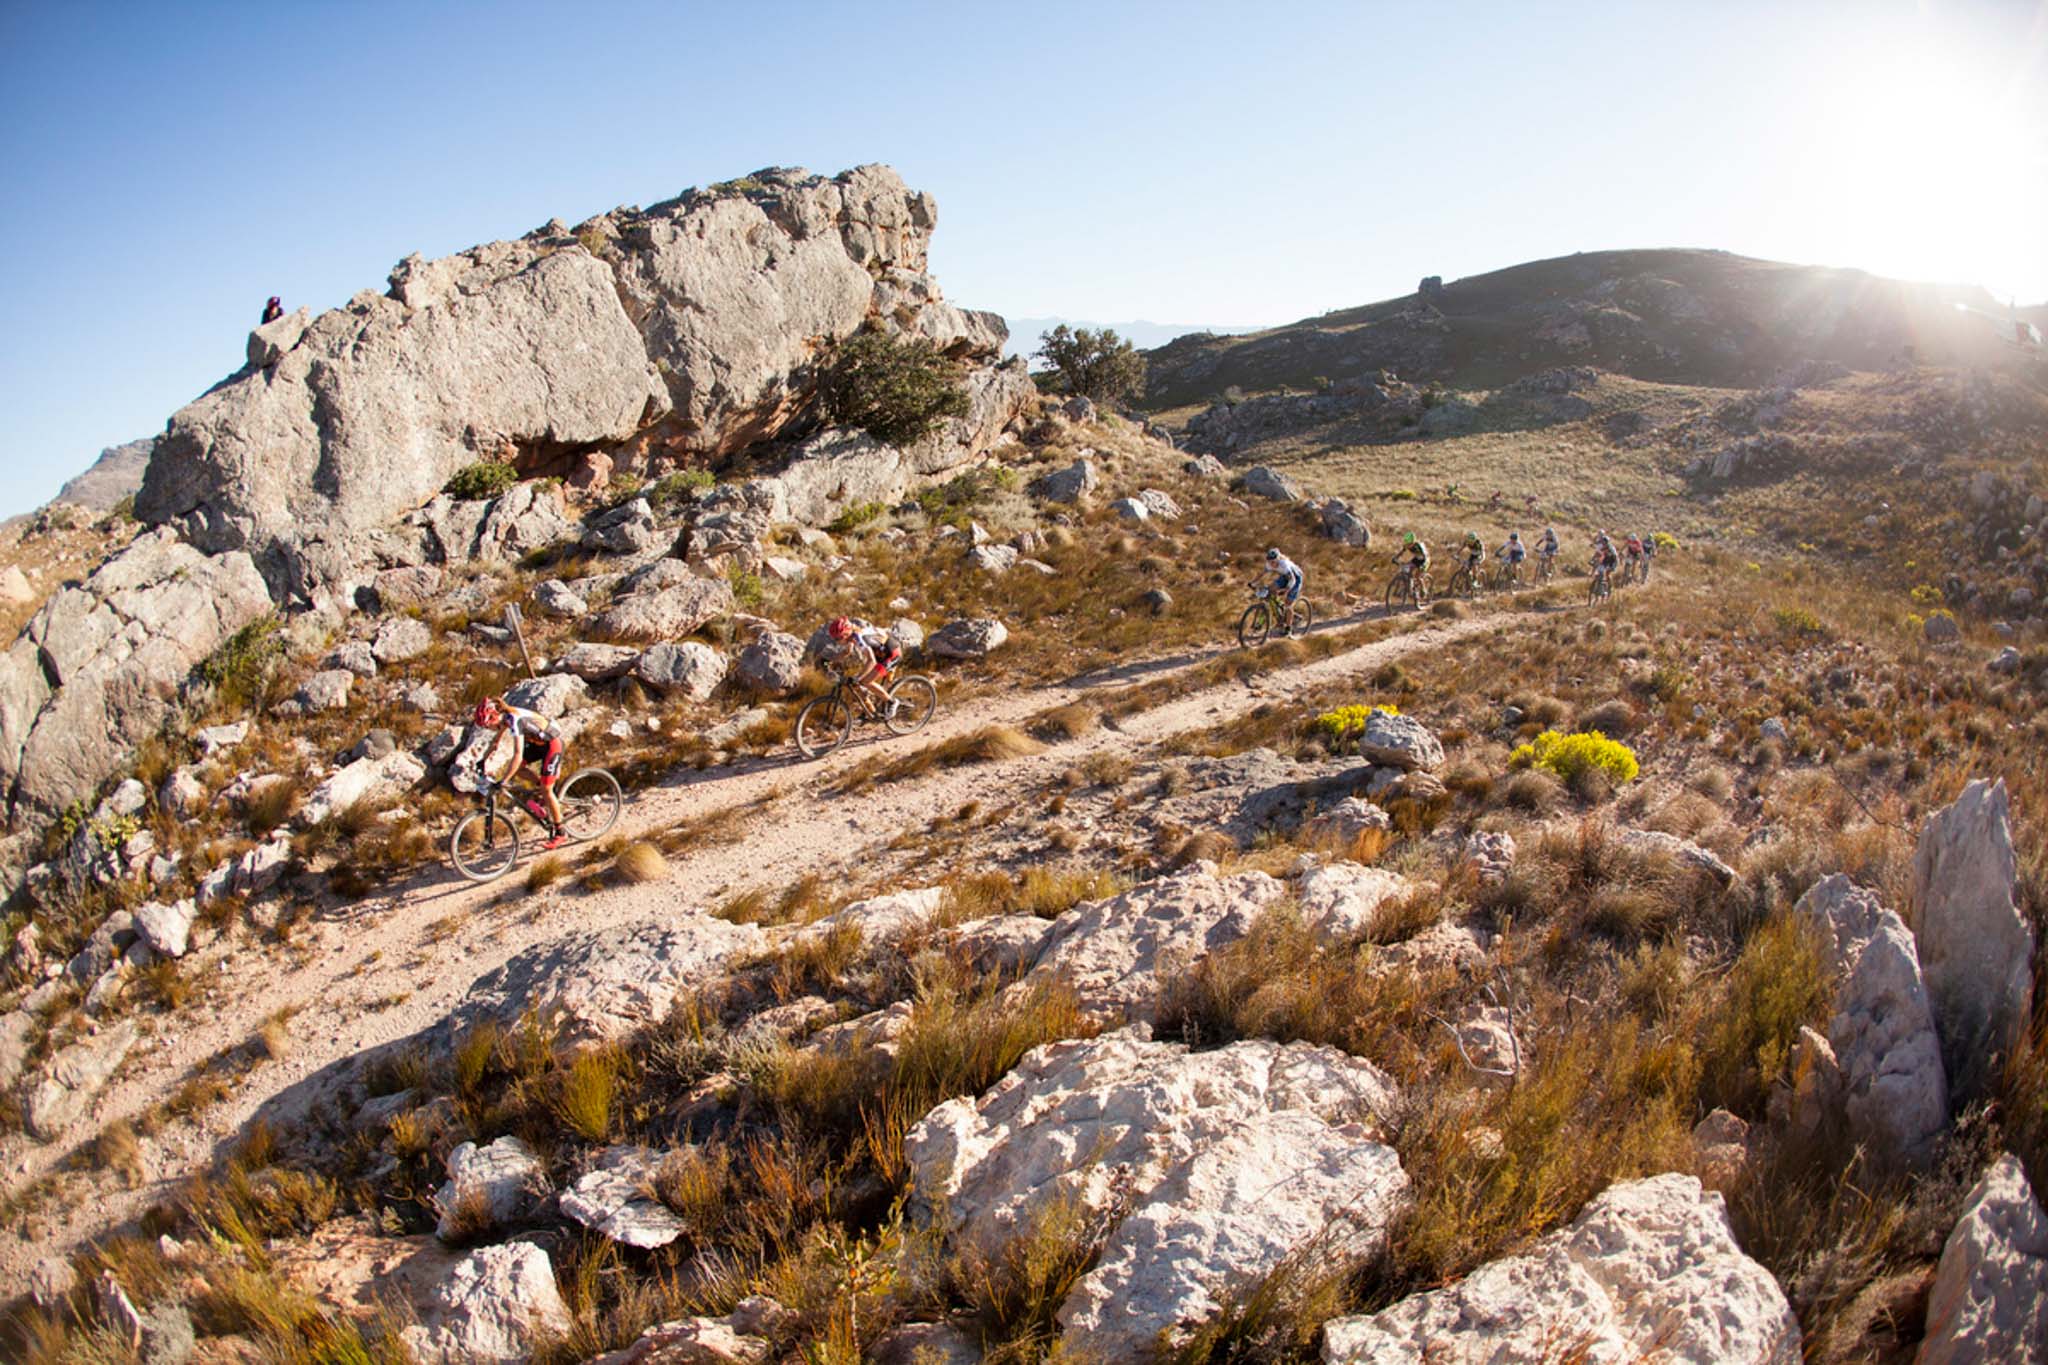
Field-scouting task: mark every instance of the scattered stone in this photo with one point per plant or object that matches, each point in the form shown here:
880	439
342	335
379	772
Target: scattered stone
1070	485
2007	660
378	743
1400	742
215	738
689	669
1345	526
1130	509
1941	629
1491	854
557	598
771	666
1721	1140
489	1187
1345	821
401	638
666	613
1990	1295
1975	947
413	586
367	780
551	694
596	663
626	529
1206	467
167	929
1159	504
739	1338
1682	851
1119	954
907	635
182	795
73	1080
52	1281
967	639
1263	482
422	697
496	1302
1649	1269
1341	901
995	559
610	1198
1774	729
14	587
353	656
1882	1031
324	691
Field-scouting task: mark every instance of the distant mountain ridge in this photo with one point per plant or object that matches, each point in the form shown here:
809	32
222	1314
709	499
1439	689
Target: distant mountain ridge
1025	332
115	475
1682	316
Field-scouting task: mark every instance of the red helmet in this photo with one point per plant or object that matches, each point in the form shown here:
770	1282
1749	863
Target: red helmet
486	712
840	628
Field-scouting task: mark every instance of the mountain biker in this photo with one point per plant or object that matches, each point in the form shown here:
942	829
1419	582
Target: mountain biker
1287	575
1604	558
1512	552
1547	547
867	645
1634	546
1649	553
1417	554
539	747
1475	551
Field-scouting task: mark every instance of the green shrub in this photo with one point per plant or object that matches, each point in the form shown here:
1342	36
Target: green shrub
1098	365
895	389
746	587
484	479
681	486
1797	621
240	669
854	517
1571	756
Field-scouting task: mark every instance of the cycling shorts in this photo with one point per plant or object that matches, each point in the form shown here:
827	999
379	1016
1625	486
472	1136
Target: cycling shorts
544	756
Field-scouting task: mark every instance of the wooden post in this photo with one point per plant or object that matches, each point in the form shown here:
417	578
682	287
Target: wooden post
512	623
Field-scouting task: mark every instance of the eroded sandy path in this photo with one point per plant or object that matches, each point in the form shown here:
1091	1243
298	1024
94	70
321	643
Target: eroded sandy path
390	965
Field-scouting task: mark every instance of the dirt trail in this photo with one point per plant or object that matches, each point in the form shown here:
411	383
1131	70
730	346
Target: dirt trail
387	966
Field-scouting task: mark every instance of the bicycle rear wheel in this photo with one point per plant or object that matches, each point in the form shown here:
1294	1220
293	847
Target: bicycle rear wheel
913	700
591	801
484	845
1255	625
1300	617
823	724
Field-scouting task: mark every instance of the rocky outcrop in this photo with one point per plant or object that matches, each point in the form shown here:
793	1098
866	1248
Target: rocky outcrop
668	612
611	1198
369	781
689	669
1975	948
1650	1270
1400	742
1169	1157
1341	901
489	1187
967	639
603	984
1118	954
115	475
1990	1295
100	666
1882	1031
490	1310
73	1080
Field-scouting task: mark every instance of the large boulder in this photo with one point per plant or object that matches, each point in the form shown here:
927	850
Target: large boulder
835	470
772	665
99	667
612	1198
595	662
1171	1157
551	694
1882	1031
1264	482
74	1078
1990	1295
1343	525
690	669
1649	1271
967	639
626	529
605	983
1341	902
493	1186
401	638
367	780
1070	484
496	1303
664	613
1119	954
1975	947
1400	742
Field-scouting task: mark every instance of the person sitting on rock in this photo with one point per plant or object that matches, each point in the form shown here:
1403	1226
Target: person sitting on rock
864	646
273	310
539	746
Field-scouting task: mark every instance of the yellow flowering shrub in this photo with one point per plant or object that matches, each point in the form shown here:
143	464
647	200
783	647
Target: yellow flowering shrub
1347	721
1570	755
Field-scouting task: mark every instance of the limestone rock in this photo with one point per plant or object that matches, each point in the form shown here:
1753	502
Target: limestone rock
1130	509
551	694
1159	504
1347	819
1975	948
1941	629
100	665
269	342
1206	467
352	656
326	690
689	669
1882	1031
214	738
1118	954
626	529
1343	525
1400	742
1341	901
1491	855
1722	1141
1650	1269
401	638
880	920
1682	851
557	598
731	1340
73	1080
1069	485
999	945
772	665
608	1198
596	663
1990	1295
665	613
835	470
167	929
370	780
605	983
489	1187
495	1302
993	559
1263	482
966	639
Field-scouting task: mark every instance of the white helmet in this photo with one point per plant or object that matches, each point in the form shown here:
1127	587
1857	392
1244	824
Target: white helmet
1272	554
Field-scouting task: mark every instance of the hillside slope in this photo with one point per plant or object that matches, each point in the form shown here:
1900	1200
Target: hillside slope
1680	316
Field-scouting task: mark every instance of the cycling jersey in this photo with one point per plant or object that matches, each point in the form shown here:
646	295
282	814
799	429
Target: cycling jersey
1513	552
1547	545
1287	576
870	642
530	727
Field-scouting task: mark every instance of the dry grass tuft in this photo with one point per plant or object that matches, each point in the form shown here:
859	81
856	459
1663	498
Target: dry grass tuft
545	872
1209	845
1071	721
1613	718
640	862
273	1037
117	1149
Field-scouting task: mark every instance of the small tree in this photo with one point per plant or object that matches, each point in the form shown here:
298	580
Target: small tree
895	389
1098	365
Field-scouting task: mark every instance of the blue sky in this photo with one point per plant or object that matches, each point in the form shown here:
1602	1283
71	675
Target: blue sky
168	166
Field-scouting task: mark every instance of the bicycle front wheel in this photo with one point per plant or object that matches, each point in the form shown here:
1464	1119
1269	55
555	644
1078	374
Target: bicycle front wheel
1254	626
823	724
484	845
1398	592
591	801
912	702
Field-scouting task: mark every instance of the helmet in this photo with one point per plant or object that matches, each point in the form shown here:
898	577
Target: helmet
1408	539
486	712
840	628
1273	554
1550	530
1514	535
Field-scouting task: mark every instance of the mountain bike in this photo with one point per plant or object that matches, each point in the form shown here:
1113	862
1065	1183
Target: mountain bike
485	843
1466	582
1546	568
1268	614
827	720
1408	588
1506	577
1599	590
1643	569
